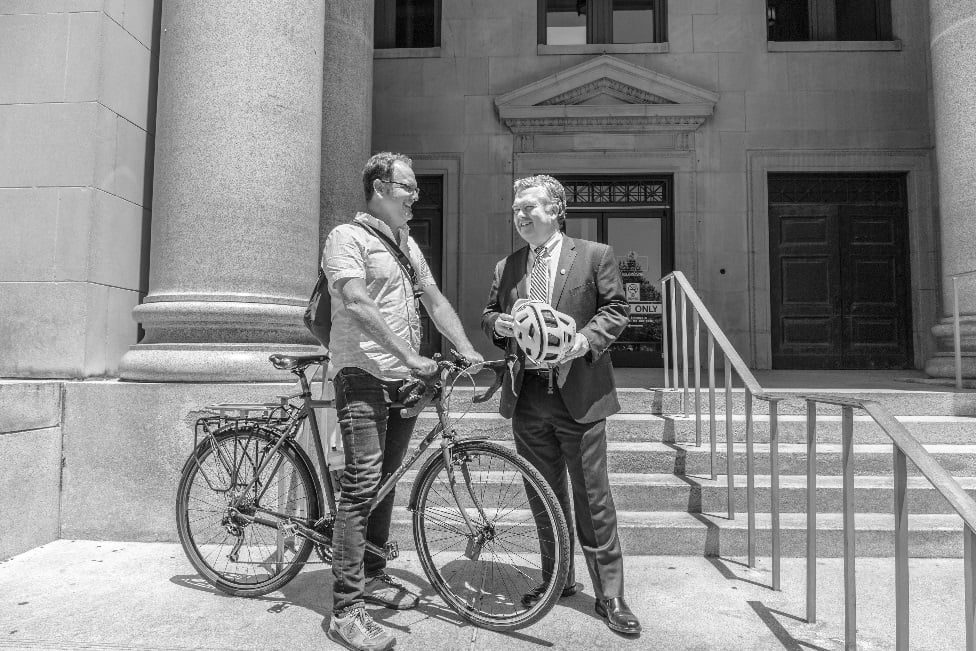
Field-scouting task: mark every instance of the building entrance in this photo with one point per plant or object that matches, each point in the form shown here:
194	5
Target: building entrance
427	229
633	214
839	271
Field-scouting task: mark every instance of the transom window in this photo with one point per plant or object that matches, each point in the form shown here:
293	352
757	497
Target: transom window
578	22
828	20
407	23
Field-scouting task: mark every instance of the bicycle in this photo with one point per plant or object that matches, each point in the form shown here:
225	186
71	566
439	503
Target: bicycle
251	506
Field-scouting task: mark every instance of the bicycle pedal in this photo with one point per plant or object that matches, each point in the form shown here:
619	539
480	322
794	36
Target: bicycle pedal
391	549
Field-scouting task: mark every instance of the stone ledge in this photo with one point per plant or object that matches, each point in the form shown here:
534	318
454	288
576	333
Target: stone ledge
29	405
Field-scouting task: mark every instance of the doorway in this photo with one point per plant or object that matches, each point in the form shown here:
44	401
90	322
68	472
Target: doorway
427	230
633	214
839	271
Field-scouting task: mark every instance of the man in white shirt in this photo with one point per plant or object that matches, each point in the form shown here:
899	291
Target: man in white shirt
375	349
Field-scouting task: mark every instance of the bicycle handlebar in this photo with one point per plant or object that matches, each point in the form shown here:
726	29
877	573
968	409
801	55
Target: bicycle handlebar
432	384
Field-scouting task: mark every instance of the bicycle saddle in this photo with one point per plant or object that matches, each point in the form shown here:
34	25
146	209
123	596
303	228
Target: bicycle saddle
291	362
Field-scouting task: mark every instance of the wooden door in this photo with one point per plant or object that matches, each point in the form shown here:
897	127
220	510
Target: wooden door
875	308
839	272
426	228
805	286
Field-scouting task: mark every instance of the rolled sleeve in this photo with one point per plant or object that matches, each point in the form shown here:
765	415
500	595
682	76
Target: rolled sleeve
344	255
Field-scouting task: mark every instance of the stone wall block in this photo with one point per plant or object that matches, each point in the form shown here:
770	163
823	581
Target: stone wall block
47	144
30	473
32	65
29	405
122	486
127	72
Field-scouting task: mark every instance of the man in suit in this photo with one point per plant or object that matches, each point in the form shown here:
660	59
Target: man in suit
559	411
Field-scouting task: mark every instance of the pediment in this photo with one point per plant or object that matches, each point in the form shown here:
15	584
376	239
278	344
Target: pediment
606	94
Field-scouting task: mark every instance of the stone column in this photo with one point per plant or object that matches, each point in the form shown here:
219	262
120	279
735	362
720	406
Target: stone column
236	189
953	40
347	109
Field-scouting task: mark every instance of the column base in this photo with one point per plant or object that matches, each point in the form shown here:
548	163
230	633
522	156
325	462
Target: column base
943	363
208	362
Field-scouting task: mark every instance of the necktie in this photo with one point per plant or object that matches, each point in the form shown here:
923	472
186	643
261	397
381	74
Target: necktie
539	278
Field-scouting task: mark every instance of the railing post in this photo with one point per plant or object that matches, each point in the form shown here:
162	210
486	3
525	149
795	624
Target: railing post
684	348
969	569
674	334
850	590
750	482
729	453
901	549
698	417
811	511
711	403
774	488
664	331
957	347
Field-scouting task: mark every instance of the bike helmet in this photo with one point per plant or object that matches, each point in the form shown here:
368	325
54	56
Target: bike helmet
541	331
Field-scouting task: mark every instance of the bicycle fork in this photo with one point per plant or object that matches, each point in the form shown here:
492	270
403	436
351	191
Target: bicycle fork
478	536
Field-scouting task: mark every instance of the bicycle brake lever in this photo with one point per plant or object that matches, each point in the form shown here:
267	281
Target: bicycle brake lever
497	383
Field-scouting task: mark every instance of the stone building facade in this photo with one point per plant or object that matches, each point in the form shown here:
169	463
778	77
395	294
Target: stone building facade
169	170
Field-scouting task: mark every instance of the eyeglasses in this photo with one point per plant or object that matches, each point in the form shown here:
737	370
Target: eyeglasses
412	189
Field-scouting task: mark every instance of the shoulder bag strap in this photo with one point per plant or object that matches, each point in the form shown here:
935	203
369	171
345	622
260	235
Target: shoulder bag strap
395	250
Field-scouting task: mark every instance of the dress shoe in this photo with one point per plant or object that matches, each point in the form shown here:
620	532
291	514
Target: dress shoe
618	616
532	597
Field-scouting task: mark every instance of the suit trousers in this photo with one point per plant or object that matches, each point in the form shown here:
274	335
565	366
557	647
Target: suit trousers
548	437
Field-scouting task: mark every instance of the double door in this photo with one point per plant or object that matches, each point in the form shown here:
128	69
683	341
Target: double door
839	272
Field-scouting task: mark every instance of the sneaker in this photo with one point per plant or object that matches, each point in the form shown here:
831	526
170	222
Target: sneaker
385	590
357	630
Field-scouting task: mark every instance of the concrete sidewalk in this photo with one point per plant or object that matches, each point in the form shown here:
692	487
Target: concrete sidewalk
114	595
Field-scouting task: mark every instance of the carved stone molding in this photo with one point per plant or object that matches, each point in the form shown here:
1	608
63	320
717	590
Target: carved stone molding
606	95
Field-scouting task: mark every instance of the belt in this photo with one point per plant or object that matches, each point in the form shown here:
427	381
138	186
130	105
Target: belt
548	373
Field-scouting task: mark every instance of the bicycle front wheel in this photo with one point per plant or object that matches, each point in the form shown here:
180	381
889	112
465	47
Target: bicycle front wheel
516	543
237	533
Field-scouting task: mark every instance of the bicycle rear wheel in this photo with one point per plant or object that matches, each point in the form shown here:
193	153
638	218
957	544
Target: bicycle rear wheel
520	540
215	511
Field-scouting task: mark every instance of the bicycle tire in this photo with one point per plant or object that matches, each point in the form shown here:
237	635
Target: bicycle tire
488	593
266	559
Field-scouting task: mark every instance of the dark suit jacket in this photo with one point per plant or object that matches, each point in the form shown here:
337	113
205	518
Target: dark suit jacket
592	293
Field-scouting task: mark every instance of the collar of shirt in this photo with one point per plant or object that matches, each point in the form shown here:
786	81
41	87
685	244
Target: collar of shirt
554	245
400	237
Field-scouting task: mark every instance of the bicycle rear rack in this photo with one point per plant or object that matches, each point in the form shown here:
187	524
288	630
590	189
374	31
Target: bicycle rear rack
235	415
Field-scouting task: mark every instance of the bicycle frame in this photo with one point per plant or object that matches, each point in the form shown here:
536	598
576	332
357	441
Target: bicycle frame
325	479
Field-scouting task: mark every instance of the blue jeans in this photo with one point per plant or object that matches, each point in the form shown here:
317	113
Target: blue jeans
375	439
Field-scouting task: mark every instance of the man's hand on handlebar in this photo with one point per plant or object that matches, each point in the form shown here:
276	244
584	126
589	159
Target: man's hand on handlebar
422	367
470	360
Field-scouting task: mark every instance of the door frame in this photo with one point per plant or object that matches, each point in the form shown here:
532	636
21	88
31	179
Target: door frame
448	166
923	240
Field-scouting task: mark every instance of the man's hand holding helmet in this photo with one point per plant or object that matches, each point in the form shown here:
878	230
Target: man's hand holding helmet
579	348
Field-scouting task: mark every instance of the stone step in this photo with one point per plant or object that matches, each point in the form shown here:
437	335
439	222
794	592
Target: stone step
682	534
792	428
688	459
664	492
669	401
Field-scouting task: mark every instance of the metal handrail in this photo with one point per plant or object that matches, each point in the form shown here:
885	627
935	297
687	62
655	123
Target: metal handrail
905	447
956	343
676	285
